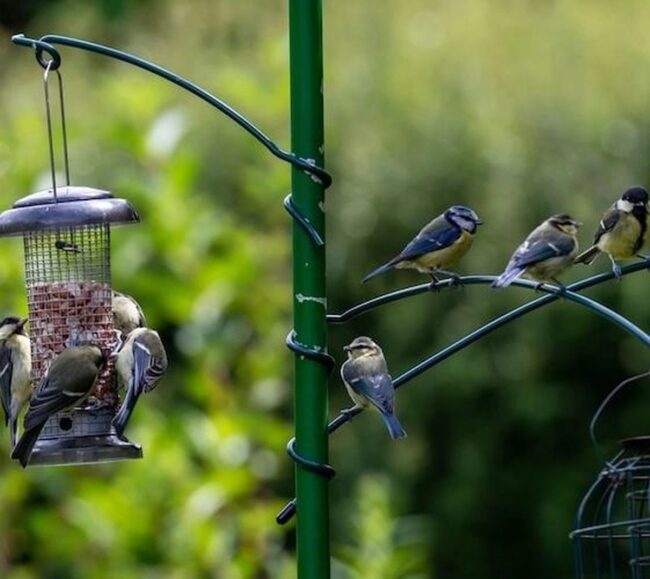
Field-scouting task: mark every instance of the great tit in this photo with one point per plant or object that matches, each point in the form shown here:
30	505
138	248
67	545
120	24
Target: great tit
365	375
15	371
439	245
140	364
547	251
127	313
621	231
69	380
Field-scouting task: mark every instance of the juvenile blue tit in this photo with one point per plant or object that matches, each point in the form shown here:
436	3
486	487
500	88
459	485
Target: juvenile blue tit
15	371
547	252
140	365
621	232
127	313
365	375
69	380
439	245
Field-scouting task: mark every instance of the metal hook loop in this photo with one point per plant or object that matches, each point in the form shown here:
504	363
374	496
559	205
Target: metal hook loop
54	62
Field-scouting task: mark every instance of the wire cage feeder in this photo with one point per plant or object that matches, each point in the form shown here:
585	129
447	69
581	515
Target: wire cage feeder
612	534
612	529
66	234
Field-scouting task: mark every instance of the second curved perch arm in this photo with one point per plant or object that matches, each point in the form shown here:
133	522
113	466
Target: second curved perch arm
553	293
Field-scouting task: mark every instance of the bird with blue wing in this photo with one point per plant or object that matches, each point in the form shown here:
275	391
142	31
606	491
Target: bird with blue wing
546	252
439	245
140	365
366	378
621	231
15	371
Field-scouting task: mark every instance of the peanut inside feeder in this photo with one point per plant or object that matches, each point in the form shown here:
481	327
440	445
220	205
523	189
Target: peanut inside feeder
68	279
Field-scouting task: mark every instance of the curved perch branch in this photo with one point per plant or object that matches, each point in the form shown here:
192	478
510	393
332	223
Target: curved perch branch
415	290
45	43
553	293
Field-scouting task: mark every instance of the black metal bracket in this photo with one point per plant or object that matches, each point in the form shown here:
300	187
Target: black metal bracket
45	45
324	470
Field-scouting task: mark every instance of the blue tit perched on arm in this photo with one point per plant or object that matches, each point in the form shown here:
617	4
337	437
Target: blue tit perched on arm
15	370
443	242
547	251
139	366
621	231
127	313
69	380
365	375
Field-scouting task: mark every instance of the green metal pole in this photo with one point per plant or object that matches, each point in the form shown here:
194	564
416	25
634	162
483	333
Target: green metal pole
306	69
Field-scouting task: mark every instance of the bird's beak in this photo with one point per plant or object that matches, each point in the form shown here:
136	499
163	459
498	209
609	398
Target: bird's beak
22	323
347	348
479	222
578	223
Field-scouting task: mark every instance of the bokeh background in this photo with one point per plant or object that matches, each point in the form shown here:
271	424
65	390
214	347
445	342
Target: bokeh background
518	109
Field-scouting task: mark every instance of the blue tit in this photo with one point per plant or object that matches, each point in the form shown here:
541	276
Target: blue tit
547	252
15	371
365	375
127	313
139	366
439	245
621	232
69	380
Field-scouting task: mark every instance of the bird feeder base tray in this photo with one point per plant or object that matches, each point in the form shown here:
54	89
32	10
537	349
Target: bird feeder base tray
81	437
84	450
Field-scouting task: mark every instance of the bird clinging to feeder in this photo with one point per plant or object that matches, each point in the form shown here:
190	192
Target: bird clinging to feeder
140	365
15	370
69	380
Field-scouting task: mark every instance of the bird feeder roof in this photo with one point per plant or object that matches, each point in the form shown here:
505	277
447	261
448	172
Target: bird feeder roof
74	206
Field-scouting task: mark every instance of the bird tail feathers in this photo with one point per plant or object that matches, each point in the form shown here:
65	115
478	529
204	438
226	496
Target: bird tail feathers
124	413
507	277
13	425
380	269
394	427
23	450
588	255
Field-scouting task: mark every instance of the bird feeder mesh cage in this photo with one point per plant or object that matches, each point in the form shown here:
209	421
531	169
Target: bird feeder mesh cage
69	296
612	534
66	240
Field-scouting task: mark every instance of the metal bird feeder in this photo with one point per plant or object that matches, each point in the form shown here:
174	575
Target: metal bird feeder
66	233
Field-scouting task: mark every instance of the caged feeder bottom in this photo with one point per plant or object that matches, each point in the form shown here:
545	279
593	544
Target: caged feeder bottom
612	534
81	437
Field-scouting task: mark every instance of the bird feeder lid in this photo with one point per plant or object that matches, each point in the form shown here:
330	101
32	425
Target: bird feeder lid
73	206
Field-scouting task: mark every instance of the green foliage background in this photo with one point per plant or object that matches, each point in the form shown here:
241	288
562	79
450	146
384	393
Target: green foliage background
518	109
